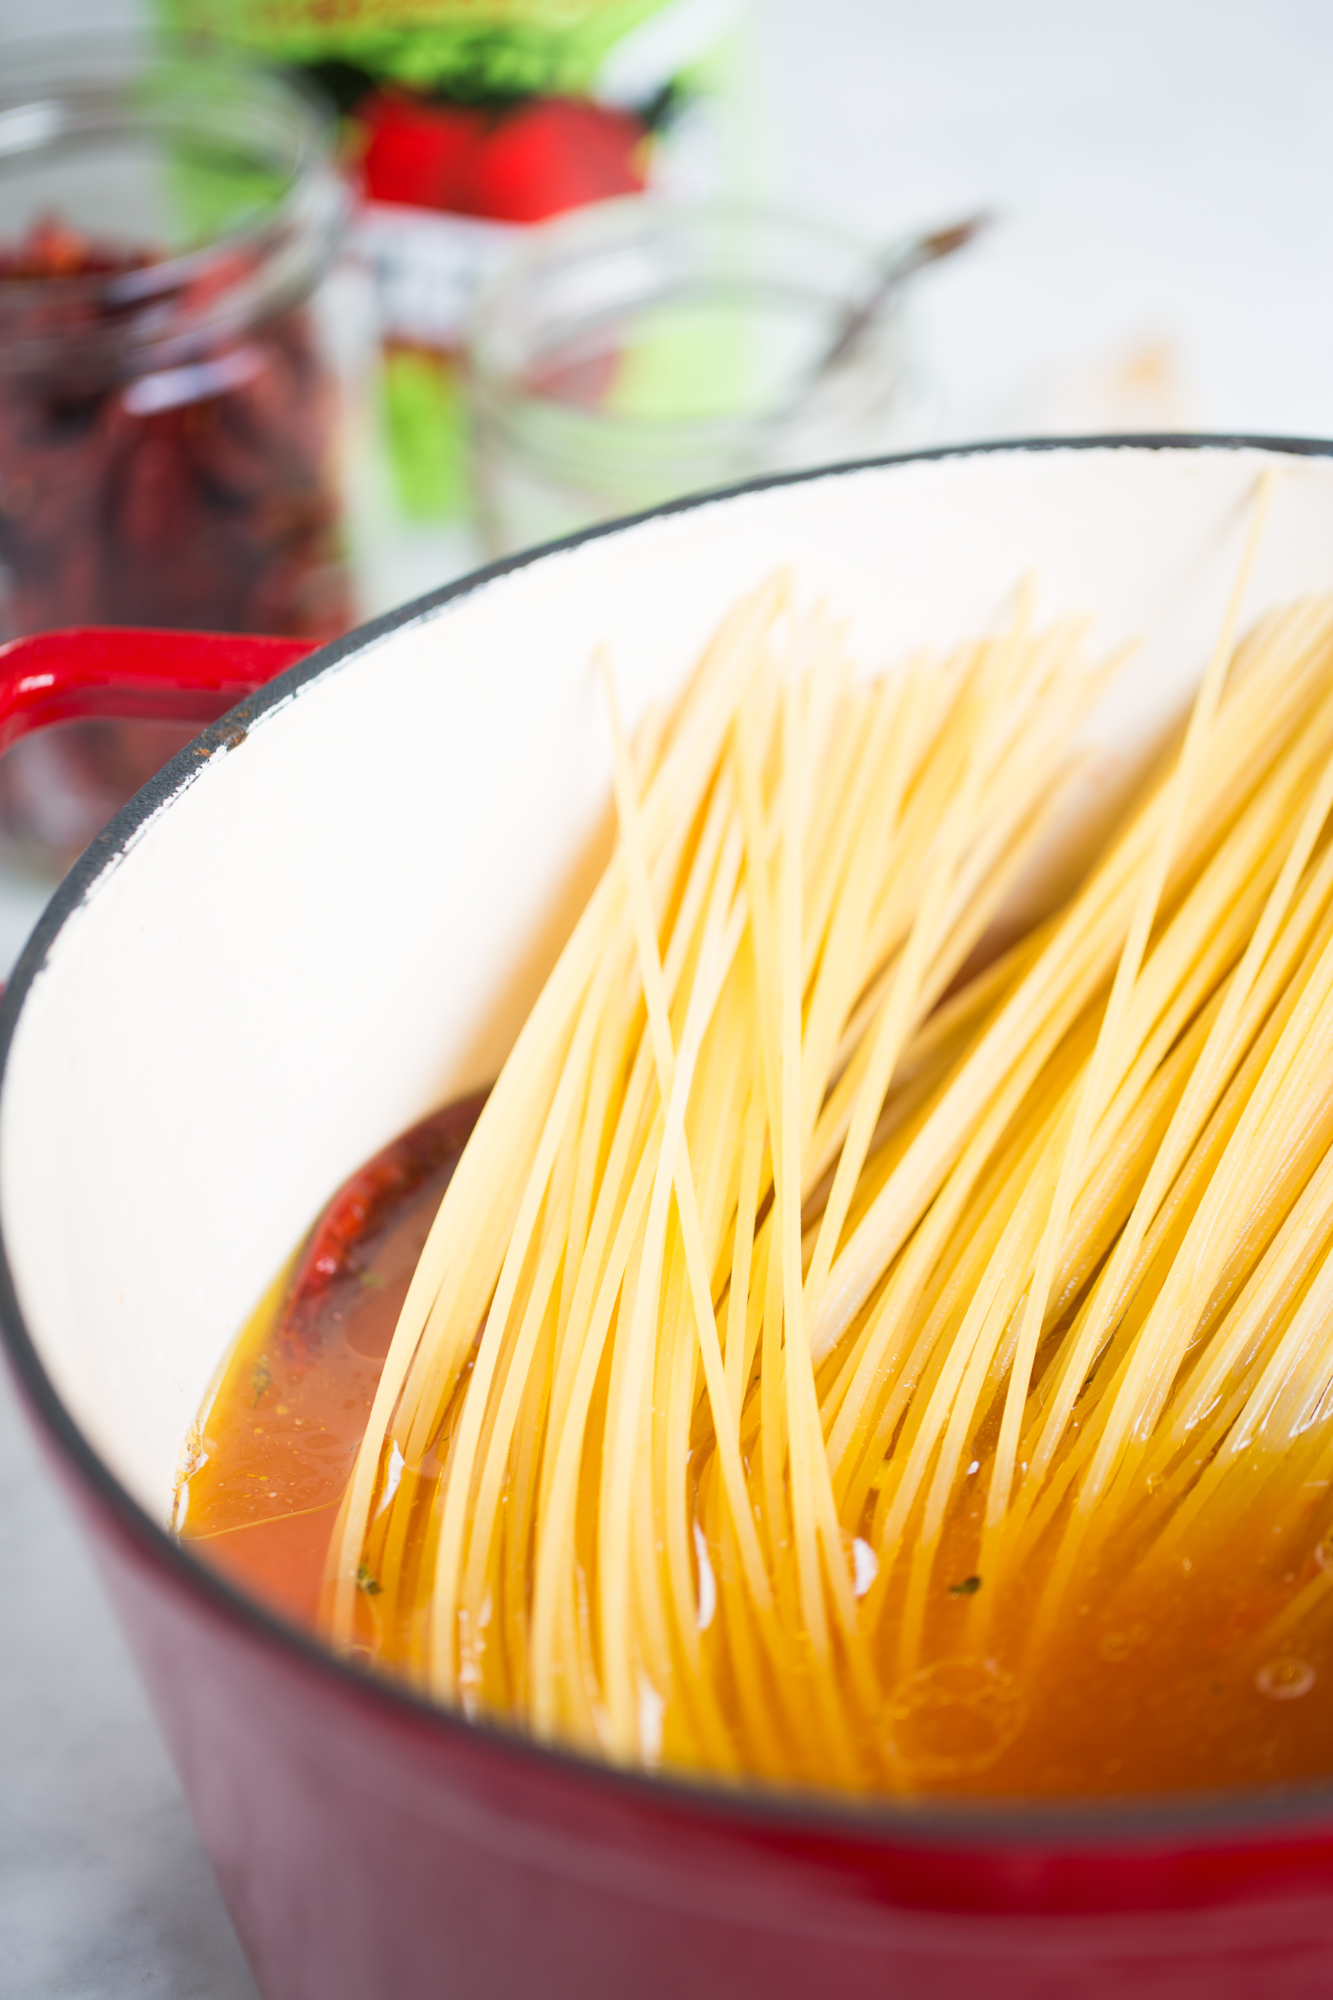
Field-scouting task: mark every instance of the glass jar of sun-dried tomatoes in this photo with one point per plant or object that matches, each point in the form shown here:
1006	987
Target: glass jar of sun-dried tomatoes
169	407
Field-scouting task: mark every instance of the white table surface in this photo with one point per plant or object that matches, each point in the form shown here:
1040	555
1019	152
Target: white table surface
1163	170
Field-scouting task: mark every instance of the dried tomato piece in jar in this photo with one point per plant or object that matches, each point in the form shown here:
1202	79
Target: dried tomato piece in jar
184	480
197	491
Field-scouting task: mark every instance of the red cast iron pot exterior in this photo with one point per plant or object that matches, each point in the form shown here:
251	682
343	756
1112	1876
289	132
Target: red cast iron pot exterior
368	1845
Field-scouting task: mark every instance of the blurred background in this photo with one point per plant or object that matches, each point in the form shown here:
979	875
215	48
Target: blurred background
306	327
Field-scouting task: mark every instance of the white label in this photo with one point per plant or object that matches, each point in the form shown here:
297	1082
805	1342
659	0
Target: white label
427	268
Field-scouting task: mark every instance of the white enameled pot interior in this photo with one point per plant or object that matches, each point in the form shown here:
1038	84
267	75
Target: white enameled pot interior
339	923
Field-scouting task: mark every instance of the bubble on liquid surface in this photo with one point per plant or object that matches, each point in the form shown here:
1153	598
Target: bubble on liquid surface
954	1717
1285	1679
1120	1645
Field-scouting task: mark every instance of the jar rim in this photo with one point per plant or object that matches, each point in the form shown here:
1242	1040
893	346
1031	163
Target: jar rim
556	432
58	89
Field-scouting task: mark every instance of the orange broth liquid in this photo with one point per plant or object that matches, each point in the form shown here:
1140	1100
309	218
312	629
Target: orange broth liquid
1158	1680
274	1450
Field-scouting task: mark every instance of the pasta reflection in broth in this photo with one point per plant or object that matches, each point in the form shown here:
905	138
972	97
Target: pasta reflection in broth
853	1351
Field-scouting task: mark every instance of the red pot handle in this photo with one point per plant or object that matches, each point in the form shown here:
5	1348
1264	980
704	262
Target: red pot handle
127	673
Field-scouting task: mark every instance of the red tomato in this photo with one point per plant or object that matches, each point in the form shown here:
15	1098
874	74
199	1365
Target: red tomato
552	154
419	153
548	155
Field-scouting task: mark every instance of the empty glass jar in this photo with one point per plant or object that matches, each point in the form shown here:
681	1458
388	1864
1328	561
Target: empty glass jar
638	350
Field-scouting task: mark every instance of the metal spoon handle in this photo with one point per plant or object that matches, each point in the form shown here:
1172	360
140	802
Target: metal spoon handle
904	264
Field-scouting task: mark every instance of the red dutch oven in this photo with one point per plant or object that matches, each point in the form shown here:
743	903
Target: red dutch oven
329	914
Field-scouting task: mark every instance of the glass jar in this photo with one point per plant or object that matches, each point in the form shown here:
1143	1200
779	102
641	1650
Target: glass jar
641	349
169	412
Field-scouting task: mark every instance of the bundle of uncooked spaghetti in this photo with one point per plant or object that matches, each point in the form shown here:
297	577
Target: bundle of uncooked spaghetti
819	1268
